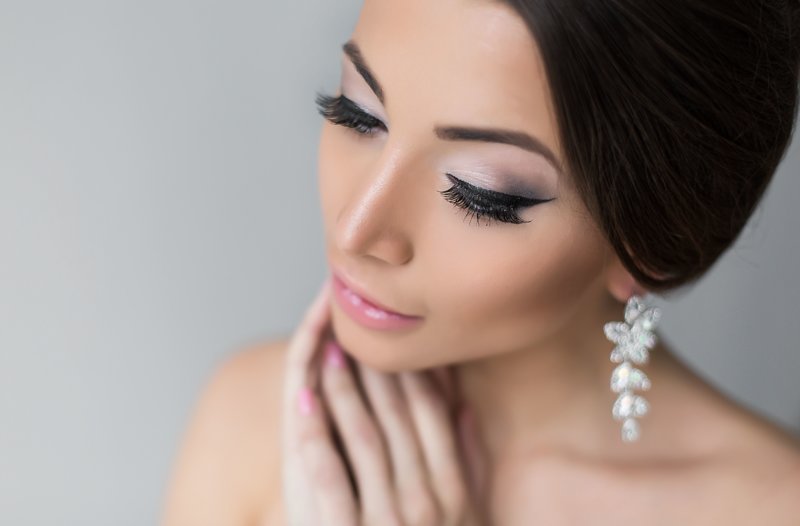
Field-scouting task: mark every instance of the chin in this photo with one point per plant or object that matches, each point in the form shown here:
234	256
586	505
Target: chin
387	353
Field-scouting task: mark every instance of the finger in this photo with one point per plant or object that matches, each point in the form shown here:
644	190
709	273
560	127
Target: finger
323	466
304	344
302	347
438	440
415	498
361	436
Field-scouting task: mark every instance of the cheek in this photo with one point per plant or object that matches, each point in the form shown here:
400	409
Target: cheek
331	165
509	292
486	289
341	160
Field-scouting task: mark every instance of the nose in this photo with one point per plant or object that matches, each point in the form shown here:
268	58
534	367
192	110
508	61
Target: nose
377	220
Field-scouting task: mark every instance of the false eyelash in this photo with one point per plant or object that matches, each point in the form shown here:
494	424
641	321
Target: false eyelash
477	201
343	111
482	202
478	206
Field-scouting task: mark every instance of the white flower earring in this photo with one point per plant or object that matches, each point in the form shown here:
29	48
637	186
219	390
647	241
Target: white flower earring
634	338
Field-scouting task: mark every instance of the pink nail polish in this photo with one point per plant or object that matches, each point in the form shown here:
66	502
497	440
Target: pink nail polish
306	401
334	356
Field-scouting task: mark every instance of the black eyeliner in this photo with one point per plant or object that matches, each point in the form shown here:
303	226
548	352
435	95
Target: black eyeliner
500	198
476	201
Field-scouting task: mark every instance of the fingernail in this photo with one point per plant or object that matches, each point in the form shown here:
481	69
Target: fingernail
334	356
306	401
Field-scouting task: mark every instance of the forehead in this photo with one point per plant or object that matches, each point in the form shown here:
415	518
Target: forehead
470	62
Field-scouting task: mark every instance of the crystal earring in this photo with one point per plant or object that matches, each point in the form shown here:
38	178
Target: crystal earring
633	338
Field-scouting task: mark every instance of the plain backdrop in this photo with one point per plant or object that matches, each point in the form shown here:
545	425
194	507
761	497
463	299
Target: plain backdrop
159	211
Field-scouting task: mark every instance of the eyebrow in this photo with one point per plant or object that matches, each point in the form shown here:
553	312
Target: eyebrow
456	133
352	50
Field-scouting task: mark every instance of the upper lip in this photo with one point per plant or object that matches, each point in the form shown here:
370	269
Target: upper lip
358	290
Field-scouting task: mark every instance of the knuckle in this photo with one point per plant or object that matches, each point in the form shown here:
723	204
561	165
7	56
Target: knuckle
338	382
324	474
367	435
309	436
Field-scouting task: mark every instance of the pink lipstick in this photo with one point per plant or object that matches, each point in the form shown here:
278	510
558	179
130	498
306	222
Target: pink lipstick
367	312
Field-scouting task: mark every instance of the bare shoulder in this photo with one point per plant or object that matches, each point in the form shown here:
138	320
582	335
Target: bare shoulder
741	486
228	461
762	470
716	462
746	468
755	481
764	454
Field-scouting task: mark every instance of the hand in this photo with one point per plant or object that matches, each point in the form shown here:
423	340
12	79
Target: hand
392	449
303	346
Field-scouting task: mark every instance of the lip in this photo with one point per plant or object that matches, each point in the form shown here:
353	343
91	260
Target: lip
367	311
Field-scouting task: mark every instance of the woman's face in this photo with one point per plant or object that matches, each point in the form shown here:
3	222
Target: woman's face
482	286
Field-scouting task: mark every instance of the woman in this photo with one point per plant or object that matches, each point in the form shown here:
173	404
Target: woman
501	183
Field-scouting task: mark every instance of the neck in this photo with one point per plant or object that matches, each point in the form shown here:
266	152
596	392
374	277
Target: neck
553	397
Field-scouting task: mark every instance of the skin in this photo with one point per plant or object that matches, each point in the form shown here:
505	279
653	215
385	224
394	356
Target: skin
413	459
515	311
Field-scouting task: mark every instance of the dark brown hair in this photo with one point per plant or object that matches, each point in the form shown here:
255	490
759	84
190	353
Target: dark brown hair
673	116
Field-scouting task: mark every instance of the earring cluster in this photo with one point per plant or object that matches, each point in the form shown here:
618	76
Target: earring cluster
633	338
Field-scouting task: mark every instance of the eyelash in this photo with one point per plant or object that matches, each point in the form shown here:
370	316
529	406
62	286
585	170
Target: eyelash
478	202
343	111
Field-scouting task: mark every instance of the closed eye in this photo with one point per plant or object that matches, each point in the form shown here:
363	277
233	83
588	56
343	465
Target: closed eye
477	201
344	112
483	202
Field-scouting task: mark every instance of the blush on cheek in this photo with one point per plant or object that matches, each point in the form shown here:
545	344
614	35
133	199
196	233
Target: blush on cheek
523	299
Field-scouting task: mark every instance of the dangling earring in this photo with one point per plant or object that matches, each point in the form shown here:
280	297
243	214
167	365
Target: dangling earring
634	338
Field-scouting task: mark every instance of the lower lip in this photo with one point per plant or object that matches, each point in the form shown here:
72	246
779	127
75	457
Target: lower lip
366	313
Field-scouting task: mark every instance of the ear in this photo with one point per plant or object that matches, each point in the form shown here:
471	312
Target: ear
620	283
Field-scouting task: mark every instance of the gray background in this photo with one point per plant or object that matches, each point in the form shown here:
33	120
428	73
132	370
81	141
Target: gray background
159	210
